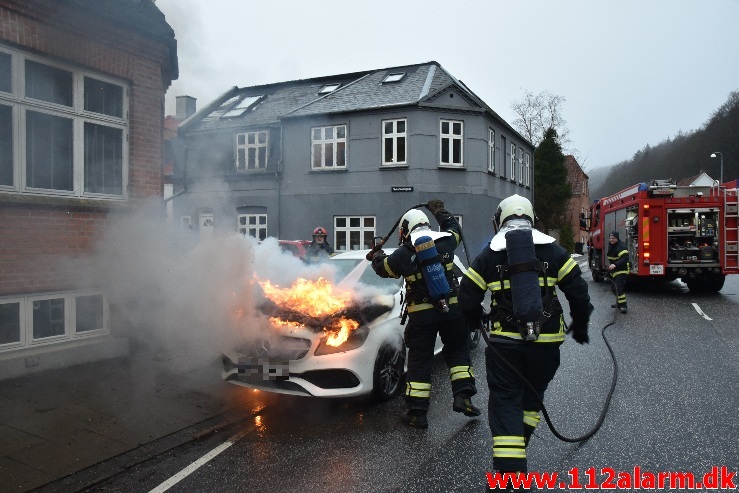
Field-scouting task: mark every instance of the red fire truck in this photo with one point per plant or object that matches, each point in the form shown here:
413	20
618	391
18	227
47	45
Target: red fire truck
686	232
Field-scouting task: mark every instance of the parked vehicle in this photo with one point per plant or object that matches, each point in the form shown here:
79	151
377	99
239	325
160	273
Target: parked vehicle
686	232
300	361
297	248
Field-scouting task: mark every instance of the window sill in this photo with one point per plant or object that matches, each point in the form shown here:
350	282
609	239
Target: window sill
30	199
394	166
329	170
451	166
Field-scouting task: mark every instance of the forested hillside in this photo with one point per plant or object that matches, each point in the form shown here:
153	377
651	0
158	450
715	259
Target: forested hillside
682	156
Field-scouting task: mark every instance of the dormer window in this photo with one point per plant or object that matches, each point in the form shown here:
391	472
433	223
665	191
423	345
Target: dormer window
393	77
329	88
241	106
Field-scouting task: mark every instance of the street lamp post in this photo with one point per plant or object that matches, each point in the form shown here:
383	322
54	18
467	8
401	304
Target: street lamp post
721	179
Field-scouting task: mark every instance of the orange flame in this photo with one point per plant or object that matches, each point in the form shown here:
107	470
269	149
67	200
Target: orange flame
317	298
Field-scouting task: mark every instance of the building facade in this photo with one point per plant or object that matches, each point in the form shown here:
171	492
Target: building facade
579	204
351	153
82	87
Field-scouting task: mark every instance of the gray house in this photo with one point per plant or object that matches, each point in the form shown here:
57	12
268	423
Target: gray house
349	152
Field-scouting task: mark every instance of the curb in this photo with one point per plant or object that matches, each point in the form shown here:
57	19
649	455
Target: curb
96	474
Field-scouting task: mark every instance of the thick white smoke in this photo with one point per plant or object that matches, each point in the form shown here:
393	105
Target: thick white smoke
189	303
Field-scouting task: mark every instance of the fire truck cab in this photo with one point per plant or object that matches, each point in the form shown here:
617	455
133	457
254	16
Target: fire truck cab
672	232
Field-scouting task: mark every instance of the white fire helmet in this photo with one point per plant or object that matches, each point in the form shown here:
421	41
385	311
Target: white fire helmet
513	207
410	221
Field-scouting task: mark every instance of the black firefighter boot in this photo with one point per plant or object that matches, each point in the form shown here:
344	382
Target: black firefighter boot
463	404
415	418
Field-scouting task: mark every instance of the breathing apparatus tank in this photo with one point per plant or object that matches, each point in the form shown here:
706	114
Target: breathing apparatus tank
433	272
528	308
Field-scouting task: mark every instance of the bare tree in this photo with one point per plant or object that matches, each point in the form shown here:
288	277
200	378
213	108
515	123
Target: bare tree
536	113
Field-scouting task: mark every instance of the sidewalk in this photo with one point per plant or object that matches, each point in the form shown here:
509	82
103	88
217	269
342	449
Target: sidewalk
59	422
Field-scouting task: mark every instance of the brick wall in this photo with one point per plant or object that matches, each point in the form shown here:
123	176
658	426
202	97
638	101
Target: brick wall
577	178
38	235
39	242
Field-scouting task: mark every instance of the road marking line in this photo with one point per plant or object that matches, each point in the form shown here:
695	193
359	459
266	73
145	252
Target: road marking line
199	463
700	312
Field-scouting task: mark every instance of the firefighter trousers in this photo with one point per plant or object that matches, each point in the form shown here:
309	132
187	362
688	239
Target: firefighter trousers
420	338
513	409
618	287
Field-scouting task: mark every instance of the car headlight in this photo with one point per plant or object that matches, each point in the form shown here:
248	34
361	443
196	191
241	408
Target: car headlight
355	340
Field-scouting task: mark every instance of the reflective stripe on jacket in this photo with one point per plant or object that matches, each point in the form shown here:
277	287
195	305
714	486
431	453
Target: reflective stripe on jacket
618	255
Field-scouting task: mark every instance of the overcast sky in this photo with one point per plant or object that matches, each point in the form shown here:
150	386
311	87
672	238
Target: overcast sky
633	72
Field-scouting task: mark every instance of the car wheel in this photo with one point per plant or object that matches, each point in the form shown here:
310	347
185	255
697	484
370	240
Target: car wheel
389	369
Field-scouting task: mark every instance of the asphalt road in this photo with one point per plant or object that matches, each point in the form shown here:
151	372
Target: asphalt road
674	409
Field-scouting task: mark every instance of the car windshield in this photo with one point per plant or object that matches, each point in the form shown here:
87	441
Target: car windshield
357	270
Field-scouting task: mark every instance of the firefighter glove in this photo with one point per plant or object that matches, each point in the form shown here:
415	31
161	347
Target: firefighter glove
579	330
378	253
435	205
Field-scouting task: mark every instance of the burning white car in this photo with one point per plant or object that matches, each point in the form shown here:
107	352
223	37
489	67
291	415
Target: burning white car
335	347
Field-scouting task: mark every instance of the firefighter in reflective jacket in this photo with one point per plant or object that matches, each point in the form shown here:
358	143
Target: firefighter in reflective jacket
427	316
513	409
319	249
618	268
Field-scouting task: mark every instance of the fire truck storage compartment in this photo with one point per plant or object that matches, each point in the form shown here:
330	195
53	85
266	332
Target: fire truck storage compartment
692	236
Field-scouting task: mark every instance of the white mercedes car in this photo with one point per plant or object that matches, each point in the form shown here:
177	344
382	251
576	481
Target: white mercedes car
299	361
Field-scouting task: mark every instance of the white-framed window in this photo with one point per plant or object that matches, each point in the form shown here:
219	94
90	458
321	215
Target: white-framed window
47	318
394	139
252	150
254	225
63	130
520	165
491	150
12	322
504	157
452	137
328	147
90	313
353	232
527	169
512	172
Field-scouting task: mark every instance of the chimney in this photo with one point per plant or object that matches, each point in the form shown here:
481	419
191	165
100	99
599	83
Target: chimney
185	107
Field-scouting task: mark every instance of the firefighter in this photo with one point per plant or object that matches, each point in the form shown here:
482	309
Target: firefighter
427	317
319	249
513	409
618	269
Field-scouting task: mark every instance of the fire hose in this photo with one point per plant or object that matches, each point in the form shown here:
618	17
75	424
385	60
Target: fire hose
607	402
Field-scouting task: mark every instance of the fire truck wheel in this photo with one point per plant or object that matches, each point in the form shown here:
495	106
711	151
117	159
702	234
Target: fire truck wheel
389	371
706	285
